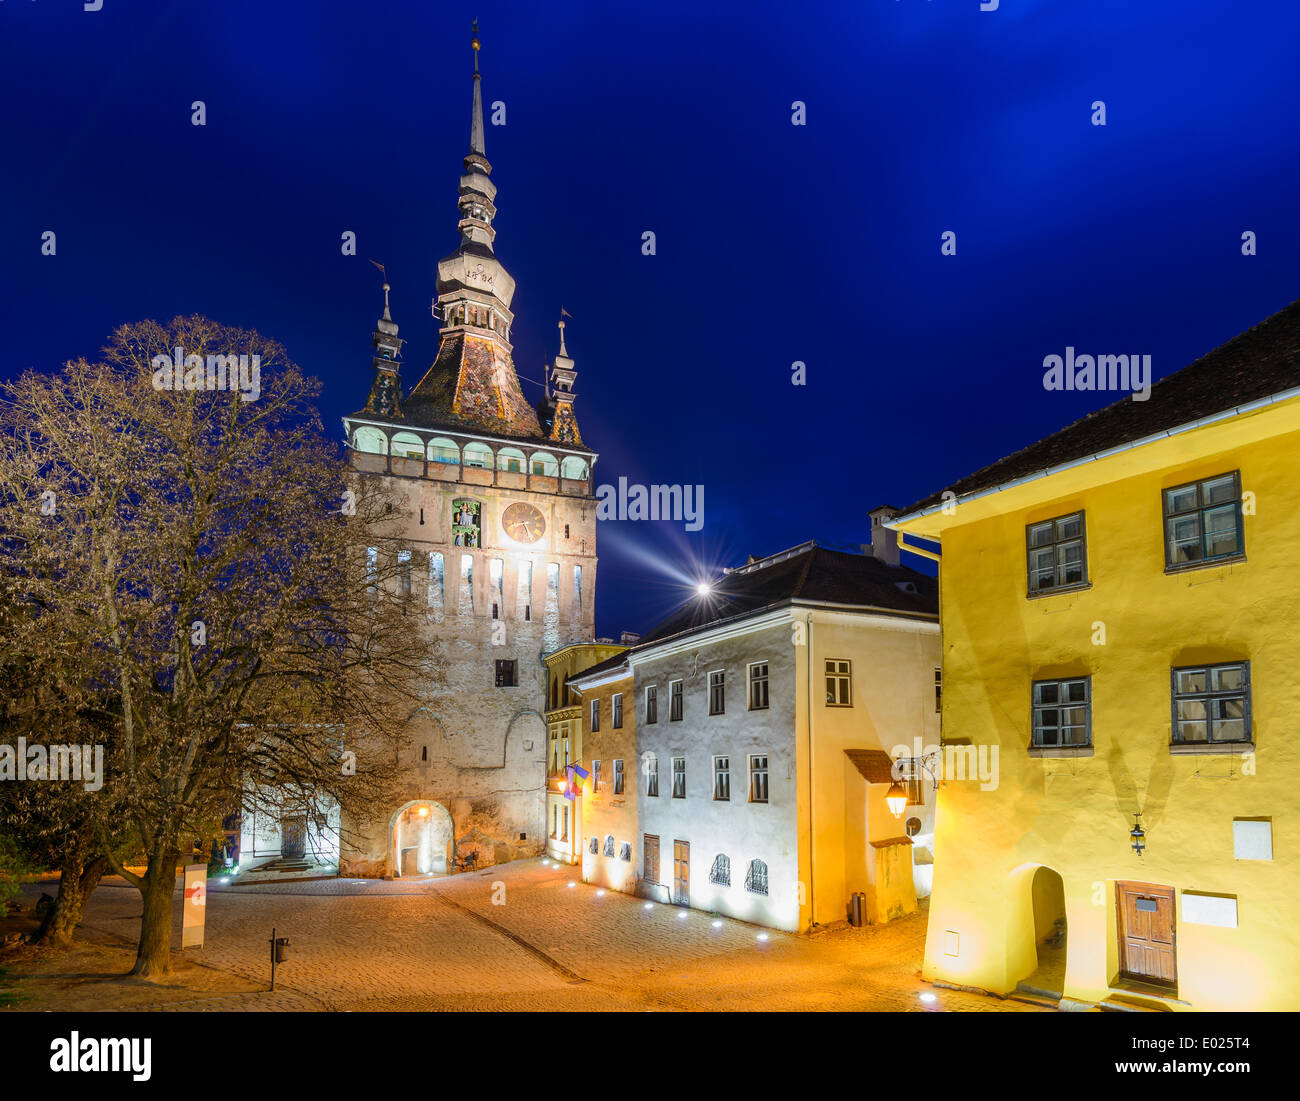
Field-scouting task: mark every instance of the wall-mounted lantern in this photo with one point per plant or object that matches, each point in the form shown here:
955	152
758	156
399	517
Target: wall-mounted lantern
1138	834
896	799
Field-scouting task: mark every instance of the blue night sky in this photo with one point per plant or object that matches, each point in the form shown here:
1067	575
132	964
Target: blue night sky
776	242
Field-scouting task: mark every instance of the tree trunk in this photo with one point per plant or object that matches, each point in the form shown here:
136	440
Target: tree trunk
77	883
153	959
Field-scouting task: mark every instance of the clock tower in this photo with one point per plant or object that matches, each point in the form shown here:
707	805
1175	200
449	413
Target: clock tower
501	529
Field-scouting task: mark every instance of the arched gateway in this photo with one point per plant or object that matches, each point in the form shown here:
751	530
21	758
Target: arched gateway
420	839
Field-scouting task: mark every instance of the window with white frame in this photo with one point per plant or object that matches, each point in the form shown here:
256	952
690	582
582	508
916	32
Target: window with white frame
595	776
722	779
679	777
618	776
717	692
674	701
595	716
651	774
839	691
758	778
758	686
616	702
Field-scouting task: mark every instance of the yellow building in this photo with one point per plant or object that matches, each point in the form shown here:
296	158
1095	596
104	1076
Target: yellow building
564	743
607	804
1119	605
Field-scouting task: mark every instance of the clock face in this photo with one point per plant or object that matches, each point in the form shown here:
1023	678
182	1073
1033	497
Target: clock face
523	523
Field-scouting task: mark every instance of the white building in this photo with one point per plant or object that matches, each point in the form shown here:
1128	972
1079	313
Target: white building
769	713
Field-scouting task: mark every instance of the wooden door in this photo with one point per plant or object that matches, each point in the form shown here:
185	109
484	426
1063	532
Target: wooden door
682	873
293	838
1146	932
650	870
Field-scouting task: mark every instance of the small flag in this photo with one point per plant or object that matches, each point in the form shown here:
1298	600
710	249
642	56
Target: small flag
565	313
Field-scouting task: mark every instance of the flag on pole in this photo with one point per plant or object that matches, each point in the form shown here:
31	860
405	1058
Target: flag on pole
565	313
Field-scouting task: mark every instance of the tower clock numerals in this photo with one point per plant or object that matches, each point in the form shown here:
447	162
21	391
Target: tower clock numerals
523	523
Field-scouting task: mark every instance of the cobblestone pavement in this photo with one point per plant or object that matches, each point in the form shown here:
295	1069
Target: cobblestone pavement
443	944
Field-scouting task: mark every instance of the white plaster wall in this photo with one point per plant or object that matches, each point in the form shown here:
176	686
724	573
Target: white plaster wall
738	828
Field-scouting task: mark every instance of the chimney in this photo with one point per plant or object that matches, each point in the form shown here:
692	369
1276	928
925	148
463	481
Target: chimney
884	541
629	638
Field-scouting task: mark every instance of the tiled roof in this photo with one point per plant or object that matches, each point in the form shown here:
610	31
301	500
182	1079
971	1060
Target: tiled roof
810	573
875	765
460	391
1260	362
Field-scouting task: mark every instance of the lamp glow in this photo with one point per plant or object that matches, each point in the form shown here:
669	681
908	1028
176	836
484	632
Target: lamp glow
703	588
927	998
896	799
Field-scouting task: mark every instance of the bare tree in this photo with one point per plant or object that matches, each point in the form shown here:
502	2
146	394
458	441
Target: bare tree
202	554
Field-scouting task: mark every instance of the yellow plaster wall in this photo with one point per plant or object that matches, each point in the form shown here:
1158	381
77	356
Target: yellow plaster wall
1074	815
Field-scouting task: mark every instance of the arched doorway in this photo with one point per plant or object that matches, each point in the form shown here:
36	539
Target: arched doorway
1038	931
420	839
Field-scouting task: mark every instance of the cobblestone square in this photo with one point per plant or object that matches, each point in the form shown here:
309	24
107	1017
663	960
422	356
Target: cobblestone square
444	944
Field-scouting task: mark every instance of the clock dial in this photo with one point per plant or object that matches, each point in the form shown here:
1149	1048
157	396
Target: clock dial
523	523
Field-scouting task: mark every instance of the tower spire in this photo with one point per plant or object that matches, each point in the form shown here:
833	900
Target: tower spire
476	123
386	389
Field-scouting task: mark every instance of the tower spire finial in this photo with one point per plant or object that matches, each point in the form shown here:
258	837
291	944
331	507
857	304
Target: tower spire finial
387	288
562	351
476	123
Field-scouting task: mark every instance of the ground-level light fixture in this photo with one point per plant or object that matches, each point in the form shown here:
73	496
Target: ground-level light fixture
572	884
896	799
927	997
649	905
600	893
761	936
717	925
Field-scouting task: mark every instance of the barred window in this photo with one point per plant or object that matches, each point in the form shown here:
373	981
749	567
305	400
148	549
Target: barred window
1203	521
674	701
1057	555
1063	712
758	686
758	779
679	777
839	690
609	844
756	878
1212	704
717	692
593	846
625	851
651	774
618	776
720	873
722	778
651	704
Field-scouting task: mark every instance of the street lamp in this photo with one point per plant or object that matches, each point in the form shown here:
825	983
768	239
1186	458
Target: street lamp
896	799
